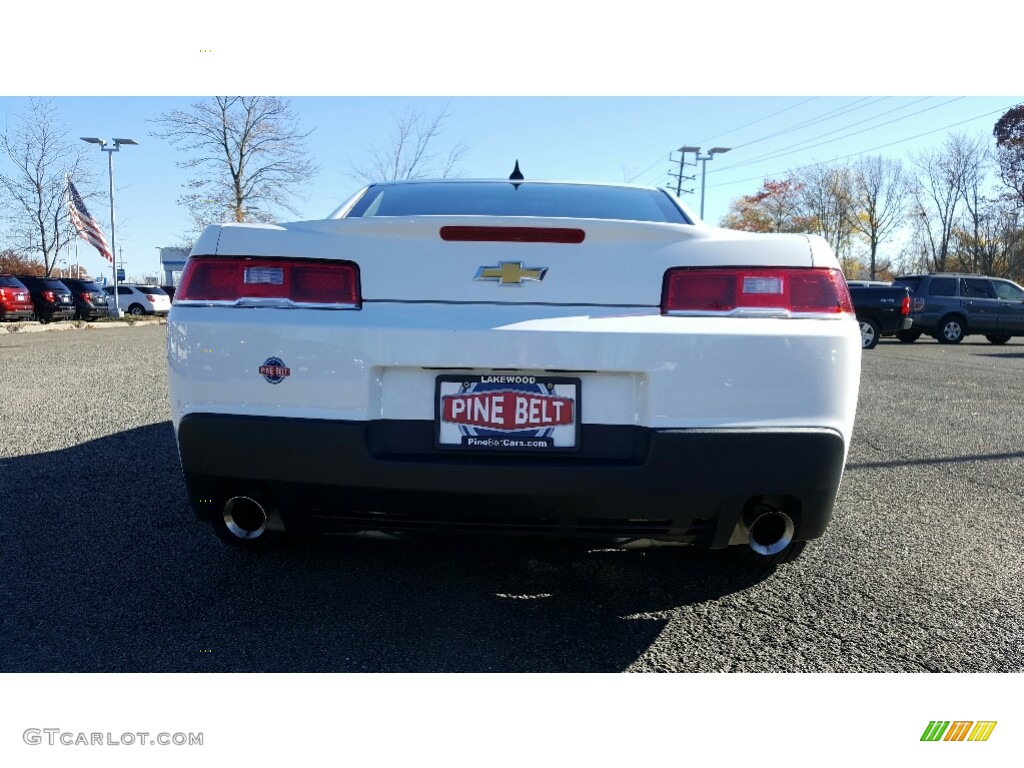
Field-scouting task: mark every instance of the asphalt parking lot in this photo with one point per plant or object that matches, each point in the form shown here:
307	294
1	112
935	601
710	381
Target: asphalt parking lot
105	568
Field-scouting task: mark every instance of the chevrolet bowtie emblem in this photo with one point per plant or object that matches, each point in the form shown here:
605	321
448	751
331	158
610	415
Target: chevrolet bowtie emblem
511	273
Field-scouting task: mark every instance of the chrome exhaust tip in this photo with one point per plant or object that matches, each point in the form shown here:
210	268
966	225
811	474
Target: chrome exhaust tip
771	532
244	517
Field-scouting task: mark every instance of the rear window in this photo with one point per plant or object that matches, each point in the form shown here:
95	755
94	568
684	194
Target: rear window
11	282
517	199
909	282
151	289
46	284
83	285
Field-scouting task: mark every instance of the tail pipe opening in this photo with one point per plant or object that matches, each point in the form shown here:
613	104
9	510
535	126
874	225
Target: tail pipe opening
771	531
245	517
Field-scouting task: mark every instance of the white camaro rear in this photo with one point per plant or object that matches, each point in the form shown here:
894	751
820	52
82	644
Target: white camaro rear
514	356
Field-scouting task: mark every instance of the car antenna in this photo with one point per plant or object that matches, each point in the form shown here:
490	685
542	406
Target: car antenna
517	175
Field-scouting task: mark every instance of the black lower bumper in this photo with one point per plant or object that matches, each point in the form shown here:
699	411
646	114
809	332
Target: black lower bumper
625	481
15	314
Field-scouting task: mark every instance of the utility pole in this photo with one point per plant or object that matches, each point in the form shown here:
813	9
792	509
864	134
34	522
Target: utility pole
680	176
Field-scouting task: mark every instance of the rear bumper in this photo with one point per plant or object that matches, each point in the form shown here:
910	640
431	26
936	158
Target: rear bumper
15	314
56	312
694	485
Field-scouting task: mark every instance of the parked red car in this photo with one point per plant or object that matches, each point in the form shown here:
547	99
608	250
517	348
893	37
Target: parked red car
15	301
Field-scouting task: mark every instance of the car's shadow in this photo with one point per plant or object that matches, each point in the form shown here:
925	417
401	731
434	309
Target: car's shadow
107	570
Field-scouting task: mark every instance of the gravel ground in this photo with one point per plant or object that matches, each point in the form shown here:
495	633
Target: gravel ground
105	569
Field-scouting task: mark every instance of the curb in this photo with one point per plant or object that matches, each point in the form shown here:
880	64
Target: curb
25	326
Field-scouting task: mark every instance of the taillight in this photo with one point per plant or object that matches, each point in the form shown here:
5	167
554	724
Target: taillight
905	307
85	296
150	297
728	289
301	281
50	297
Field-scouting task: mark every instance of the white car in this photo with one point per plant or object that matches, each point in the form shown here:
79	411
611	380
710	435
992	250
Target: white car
514	356
140	300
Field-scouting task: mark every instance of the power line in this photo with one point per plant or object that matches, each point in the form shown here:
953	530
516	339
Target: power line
654	179
837	112
800	145
864	151
832	113
754	122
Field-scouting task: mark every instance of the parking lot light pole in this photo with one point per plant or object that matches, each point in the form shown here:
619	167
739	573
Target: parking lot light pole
704	171
116	312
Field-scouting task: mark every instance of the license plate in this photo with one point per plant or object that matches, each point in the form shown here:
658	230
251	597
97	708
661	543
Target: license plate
507	412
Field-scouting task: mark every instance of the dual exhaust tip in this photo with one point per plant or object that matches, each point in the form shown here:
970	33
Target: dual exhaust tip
771	531
245	517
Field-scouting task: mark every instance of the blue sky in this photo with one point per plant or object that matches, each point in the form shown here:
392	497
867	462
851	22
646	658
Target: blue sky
570	91
600	138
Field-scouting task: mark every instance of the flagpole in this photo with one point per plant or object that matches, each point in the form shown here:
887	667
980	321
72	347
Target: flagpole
113	245
118	143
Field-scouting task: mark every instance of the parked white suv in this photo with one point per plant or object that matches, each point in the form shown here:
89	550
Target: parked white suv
141	299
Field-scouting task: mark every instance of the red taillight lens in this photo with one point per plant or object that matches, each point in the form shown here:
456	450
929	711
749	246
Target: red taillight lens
50	297
85	296
301	281
905	308
724	289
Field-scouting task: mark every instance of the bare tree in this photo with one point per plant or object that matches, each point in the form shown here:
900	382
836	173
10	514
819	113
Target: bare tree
980	215
938	193
34	186
826	196
248	153
411	151
879	193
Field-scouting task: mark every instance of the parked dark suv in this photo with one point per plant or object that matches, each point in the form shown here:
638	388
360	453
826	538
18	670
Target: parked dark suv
90	300
51	298
15	302
950	306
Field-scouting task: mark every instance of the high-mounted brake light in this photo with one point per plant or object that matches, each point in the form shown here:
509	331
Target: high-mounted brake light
797	290
299	281
513	234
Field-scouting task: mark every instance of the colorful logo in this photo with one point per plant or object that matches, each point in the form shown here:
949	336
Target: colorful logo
508	410
513	412
274	370
958	730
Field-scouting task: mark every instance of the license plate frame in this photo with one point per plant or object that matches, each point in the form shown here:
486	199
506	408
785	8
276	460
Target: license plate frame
499	397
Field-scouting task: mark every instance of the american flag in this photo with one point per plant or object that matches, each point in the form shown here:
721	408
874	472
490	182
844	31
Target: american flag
86	225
